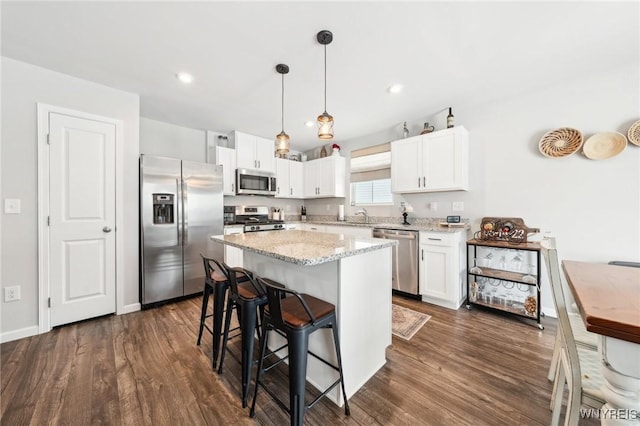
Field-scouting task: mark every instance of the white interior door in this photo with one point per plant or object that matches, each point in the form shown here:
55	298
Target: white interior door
82	250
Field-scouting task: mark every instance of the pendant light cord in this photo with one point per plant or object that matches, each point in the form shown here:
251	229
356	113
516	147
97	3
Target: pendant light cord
325	78
282	116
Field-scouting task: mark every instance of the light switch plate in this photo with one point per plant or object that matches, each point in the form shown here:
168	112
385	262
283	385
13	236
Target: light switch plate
12	205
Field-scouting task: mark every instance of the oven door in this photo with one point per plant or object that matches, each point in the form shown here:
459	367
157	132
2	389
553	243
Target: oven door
255	182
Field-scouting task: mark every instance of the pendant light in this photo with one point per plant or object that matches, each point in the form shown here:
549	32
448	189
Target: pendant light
325	120
282	139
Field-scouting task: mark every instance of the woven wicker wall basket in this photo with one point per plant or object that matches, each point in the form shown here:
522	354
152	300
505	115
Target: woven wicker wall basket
560	142
634	133
602	146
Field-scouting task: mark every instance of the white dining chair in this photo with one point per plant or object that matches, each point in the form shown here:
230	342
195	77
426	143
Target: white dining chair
578	367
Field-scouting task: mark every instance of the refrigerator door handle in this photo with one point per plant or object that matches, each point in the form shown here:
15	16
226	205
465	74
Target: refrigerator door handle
178	213
185	214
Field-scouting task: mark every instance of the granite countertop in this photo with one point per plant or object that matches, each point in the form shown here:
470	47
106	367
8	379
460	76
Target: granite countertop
303	247
430	226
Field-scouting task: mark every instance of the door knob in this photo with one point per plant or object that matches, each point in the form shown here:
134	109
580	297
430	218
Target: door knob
106	229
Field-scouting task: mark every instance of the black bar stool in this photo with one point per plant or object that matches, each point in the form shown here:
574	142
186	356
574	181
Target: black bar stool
216	283
297	316
246	297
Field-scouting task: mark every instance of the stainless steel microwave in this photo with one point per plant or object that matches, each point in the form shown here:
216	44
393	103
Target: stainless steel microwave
255	182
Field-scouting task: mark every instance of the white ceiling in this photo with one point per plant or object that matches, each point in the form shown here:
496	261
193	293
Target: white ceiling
444	53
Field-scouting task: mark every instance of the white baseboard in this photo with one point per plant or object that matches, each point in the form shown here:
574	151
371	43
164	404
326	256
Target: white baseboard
127	309
549	312
18	334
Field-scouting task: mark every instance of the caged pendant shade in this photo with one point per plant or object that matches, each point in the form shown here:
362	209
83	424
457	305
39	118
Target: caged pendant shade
282	139
325	120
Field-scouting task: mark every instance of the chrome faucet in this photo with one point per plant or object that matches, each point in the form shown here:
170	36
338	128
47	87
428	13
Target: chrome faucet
363	212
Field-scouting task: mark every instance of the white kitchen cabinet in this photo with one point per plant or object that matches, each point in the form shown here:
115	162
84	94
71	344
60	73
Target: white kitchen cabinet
437	161
325	177
289	179
312	227
233	256
226	157
254	152
442	268
354	231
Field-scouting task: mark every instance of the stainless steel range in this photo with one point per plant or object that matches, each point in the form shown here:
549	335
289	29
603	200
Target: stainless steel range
256	218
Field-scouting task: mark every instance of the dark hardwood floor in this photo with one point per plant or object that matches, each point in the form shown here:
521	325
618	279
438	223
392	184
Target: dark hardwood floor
462	368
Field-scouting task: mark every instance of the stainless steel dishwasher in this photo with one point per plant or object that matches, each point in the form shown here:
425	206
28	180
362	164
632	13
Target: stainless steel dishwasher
405	260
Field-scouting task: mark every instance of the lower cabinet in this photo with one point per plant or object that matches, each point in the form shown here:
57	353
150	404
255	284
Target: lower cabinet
354	231
312	227
442	268
233	255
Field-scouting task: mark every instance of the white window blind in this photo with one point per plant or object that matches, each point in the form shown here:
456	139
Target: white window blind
372	192
371	175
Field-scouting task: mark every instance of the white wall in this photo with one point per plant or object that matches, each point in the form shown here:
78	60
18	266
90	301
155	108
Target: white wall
169	140
592	207
23	86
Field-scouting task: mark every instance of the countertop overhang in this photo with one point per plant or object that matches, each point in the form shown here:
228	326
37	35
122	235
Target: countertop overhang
303	247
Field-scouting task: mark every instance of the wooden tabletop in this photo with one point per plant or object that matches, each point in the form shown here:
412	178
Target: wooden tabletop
608	297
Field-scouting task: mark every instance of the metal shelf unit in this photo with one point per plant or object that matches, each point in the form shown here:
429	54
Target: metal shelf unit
505	287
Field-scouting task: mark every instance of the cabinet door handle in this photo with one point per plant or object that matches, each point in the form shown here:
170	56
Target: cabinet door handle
418	181
233	189
424	181
255	164
278	191
434	239
290	191
422	250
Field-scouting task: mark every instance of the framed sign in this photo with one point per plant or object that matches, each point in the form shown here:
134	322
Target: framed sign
510	229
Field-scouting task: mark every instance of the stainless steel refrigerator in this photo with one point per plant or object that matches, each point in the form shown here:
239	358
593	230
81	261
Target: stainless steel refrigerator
181	206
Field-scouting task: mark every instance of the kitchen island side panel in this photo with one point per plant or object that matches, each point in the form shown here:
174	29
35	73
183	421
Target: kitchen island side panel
360	287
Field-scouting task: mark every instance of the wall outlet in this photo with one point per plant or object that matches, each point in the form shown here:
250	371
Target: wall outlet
328	207
457	206
433	206
12	293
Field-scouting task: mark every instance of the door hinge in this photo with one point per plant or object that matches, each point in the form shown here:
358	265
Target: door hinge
48	139
48	220
49	302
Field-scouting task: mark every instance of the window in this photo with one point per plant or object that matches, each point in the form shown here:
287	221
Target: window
372	192
371	175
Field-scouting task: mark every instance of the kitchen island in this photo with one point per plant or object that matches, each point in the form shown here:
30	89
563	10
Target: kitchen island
353	273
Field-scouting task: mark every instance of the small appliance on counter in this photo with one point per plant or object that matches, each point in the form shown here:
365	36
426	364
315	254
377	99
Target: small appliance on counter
229	215
341	212
303	214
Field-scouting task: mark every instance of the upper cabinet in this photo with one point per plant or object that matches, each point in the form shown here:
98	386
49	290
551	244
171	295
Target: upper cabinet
437	161
289	179
254	152
325	177
225	157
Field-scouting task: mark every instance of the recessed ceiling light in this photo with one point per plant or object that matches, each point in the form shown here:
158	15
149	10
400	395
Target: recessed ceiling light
309	123
185	77
395	88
